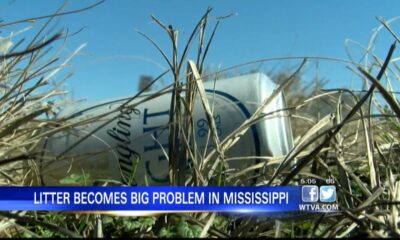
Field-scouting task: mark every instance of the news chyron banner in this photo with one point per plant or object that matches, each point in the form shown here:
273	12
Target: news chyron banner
146	200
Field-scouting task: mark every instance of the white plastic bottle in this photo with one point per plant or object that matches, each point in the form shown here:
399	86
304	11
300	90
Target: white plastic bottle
141	134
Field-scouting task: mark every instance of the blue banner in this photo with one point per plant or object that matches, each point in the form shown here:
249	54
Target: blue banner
165	199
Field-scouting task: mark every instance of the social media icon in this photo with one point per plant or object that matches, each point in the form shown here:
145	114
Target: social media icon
309	193
327	193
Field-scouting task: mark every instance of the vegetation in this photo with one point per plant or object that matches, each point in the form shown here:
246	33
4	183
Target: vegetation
348	136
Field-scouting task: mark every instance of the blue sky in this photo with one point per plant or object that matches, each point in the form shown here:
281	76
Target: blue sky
115	55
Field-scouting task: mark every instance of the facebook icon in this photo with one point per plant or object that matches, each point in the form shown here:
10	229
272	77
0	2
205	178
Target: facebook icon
309	193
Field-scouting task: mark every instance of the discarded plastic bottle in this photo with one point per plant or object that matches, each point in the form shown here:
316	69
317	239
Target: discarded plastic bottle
132	148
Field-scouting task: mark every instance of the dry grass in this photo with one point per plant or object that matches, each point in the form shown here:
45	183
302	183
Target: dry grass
354	140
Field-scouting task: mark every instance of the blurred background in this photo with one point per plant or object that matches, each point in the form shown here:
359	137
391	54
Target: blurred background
116	57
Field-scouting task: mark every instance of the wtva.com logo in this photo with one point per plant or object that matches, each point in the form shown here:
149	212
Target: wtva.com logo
313	194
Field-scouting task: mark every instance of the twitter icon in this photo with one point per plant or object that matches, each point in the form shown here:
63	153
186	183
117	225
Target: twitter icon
327	193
